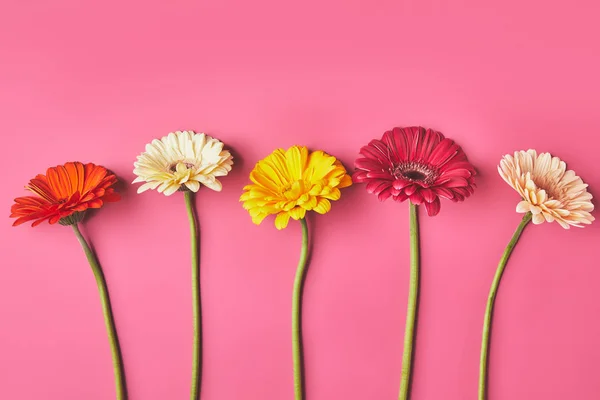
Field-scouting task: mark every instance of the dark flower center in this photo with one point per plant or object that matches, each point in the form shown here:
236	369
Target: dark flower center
414	175
416	172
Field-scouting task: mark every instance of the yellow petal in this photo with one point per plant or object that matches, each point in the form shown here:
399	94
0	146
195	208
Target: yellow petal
323	206
296	158
282	219
297	213
334	194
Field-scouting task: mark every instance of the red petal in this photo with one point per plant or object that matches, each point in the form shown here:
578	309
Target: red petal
433	208
384	194
359	176
401	184
401	197
368	164
377	186
430	140
428	195
380	175
410	189
39	221
111	197
444	151
456	182
445	193
416	197
96	203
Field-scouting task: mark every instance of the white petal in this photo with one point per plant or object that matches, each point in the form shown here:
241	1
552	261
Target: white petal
538	219
523	207
194	186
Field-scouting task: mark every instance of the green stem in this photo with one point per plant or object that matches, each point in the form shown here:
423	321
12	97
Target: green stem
296	314
108	317
196	305
487	320
411	312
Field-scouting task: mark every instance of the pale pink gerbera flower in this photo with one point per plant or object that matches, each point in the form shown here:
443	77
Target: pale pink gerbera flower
549	191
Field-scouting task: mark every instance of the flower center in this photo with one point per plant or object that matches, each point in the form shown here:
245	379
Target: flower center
173	167
414	175
415	172
549	186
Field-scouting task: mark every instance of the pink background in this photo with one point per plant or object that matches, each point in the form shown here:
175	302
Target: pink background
91	82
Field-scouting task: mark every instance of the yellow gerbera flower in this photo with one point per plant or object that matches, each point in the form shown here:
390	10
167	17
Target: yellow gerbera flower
289	183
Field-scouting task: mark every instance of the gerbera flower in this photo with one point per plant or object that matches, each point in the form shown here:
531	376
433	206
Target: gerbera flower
288	183
64	192
417	164
182	160
549	191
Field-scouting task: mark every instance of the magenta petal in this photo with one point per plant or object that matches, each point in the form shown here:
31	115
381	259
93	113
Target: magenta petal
367	164
359	176
401	184
433	208
380	175
456	182
377	186
456	163
401	197
373	153
458	197
444	151
384	194
445	193
430	141
460	173
410	189
416	198
464	191
428	195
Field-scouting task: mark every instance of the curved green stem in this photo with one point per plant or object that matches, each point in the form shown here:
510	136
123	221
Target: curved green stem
108	317
413	295
196	305
487	320
296	314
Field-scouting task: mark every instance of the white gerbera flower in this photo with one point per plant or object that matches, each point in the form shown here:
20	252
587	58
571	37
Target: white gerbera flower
549	191
182	160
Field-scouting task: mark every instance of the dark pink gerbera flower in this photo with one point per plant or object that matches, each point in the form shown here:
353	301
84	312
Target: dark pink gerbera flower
416	164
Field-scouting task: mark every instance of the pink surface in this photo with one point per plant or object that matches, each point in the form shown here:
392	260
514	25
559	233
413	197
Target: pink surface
96	82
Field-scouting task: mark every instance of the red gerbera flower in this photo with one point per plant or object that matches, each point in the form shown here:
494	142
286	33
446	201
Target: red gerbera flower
416	164
63	191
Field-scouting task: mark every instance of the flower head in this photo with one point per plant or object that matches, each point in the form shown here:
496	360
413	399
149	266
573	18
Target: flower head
416	164
291	182
549	191
64	192
180	161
